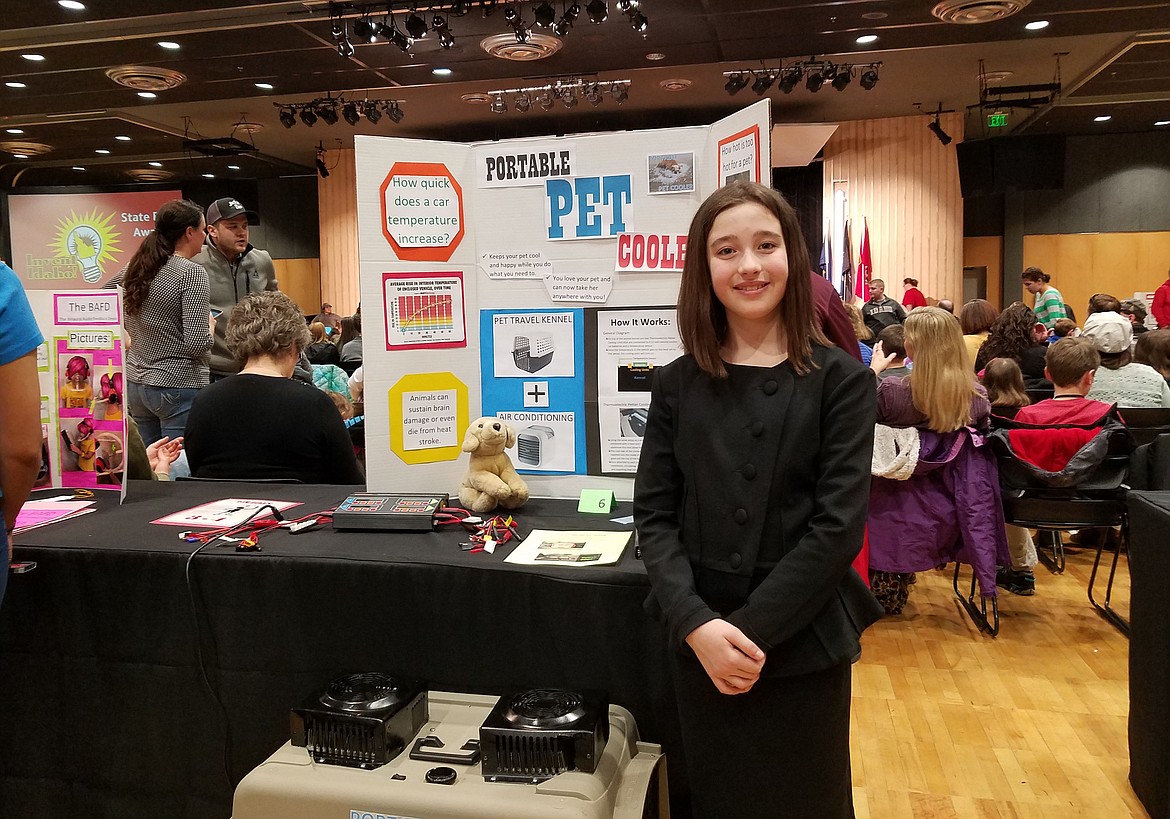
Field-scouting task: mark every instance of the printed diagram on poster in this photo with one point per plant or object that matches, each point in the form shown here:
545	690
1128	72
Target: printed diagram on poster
424	310
428	413
631	344
671	173
422	211
739	157
510	265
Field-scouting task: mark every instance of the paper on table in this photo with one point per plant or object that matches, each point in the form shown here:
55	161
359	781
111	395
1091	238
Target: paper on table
42	513
221	513
545	547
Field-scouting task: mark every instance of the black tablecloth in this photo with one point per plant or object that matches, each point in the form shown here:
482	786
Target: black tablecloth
105	711
1149	651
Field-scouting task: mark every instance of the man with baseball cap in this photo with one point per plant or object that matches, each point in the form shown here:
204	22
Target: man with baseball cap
235	269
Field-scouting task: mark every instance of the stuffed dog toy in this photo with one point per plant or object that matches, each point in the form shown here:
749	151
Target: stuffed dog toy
490	480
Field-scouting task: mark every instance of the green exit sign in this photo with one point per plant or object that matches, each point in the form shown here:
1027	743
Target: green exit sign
996	120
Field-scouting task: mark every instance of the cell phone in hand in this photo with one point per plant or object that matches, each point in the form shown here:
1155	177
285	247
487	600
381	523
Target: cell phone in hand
216	313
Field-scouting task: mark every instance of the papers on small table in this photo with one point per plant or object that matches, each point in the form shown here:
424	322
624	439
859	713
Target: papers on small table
223	513
37	513
544	547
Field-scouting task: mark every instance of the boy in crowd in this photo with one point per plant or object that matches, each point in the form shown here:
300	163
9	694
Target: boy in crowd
893	340
1070	365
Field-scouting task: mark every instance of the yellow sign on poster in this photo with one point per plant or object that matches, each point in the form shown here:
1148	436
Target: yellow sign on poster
428	413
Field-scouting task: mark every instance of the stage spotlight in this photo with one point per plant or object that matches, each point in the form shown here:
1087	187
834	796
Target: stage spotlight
373	112
395	113
562	28
489	7
351	113
620	93
593	94
814	80
498	105
523	103
869	78
287	117
598	11
763	82
509	14
638	21
446	38
937	130
322	171
546	15
546	99
344	47
337	29
844	75
363	29
572	13
522	33
790	78
308	117
399	39
416	26
569	98
385	30
624	6
735	83
327	113
460	8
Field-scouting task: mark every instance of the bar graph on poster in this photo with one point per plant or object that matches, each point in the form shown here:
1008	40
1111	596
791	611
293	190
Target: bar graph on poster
424	310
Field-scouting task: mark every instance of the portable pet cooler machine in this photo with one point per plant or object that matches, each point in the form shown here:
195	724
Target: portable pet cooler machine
371	746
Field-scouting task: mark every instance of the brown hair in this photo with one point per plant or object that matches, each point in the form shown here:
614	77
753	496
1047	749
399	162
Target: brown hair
893	340
266	323
1103	303
171	222
317	331
702	318
1069	359
977	316
1062	327
1005	383
342	403
1153	348
911	282
859	328
1035	274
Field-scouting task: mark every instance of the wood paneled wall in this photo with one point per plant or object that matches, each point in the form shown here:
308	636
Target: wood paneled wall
337	197
300	279
987	251
1082	264
905	183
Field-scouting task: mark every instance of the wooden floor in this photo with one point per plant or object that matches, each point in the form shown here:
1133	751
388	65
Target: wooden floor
948	722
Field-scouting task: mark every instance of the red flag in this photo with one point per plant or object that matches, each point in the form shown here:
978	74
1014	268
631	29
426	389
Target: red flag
864	266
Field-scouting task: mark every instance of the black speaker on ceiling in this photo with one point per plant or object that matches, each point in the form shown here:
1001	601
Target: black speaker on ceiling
1003	164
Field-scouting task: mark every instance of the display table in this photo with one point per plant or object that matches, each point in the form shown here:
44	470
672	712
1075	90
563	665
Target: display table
1149	650
104	711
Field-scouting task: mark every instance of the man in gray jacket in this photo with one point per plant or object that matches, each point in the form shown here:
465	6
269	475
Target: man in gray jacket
235	269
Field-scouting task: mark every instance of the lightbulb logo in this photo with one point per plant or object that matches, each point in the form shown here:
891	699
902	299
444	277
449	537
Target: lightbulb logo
89	240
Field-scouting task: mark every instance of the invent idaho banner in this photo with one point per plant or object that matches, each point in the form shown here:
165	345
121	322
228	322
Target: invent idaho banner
71	241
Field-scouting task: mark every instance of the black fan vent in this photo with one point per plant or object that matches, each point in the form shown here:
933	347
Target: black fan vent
362	692
545	708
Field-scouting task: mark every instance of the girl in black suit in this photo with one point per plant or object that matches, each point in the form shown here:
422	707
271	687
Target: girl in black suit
750	504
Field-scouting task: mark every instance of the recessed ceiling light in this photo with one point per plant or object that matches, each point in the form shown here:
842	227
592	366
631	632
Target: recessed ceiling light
122	138
101	151
874	15
441	72
154	164
655	56
233	167
866	39
1102	118
209	176
147	95
264	86
35	58
169	45
16	85
1036	25
1157	124
15	130
20	156
72	5
78	168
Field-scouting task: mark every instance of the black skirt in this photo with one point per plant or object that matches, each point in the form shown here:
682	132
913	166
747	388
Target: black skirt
780	750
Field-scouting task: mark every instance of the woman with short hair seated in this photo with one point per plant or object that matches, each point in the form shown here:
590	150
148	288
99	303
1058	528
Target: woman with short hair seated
260	424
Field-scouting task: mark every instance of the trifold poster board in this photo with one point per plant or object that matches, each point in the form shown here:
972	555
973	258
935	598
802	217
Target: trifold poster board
82	388
533	280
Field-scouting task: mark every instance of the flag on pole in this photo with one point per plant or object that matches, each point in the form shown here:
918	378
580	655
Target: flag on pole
826	254
864	265
847	265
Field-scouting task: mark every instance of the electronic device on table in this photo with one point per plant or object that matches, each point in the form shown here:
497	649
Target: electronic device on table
388	511
376	745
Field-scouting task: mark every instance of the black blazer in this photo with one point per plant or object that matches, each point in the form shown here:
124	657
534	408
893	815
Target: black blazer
750	505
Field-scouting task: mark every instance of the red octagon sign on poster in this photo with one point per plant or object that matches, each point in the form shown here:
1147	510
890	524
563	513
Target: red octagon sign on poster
422	211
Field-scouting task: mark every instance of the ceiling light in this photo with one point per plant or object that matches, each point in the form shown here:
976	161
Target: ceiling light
1157	124
399	39
598	11
546	99
655	56
351	113
446	38
308	117
815	80
344	47
72	5
441	72
16	85
460	8
147	95
122	138
363	30
322	170
638	21
522	33
593	94
154	164
35	58
620	93
327	113
416	26
763	82
395	113
498	105
736	82
866	39
101	151
545	14
20	156
569	98
263	86
287	117
1036	25
209	176
78	168
21	131
233	167
373	112
169	45
938	131
790	78
844	75
1102	118
869	78
522	102
572	12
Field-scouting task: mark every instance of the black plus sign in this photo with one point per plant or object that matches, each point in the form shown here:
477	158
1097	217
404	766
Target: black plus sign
536	393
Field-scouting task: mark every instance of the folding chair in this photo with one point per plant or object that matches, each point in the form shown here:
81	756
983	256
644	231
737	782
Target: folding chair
1088	493
1146	424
